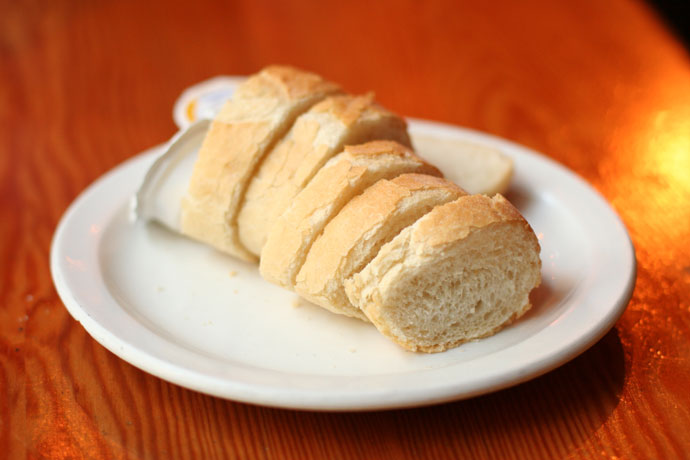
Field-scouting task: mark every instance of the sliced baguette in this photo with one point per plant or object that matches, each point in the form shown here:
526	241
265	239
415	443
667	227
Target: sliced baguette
316	136
261	111
346	175
354	236
461	272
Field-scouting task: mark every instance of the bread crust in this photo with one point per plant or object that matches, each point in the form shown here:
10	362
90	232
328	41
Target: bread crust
346	175
355	234
316	136
425	244
262	110
284	82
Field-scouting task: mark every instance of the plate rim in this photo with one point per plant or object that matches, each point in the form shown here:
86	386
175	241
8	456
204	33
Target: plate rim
277	396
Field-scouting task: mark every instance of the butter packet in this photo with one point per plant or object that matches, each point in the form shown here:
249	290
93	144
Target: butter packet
204	100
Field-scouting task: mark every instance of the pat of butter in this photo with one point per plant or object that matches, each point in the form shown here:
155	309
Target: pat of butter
204	100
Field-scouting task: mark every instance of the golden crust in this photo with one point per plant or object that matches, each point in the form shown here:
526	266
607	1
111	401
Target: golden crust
264	107
316	136
454	220
416	181
379	147
353	236
426	243
334	185
284	83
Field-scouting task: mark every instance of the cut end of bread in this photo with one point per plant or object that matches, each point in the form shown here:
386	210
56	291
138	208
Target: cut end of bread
432	297
477	168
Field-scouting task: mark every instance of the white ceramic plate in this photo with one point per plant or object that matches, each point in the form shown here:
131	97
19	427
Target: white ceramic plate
192	316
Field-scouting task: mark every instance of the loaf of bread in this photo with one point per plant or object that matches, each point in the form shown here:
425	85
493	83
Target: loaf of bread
326	189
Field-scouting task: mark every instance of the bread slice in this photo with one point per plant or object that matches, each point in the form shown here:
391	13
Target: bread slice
345	175
261	111
354	236
477	168
316	136
461	272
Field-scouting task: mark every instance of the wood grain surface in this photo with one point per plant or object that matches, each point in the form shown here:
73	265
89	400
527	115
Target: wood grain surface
601	87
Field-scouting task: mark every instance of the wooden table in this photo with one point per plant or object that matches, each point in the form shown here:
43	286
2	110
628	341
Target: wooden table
601	87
